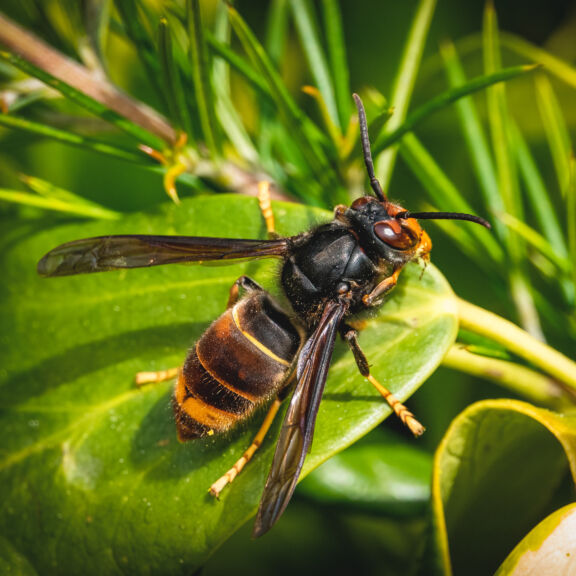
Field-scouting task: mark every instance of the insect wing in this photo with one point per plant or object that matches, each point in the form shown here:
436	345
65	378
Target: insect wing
140	251
298	426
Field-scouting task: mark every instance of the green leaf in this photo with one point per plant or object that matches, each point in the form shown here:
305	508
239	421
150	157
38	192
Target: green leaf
496	474
548	549
389	477
89	465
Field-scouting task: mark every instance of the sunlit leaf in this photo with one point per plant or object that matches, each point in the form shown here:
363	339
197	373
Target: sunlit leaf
496	475
90	466
550	548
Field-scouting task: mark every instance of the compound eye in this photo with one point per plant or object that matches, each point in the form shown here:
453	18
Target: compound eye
394	235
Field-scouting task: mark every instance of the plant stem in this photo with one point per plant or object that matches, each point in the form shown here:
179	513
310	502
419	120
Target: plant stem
536	387
31	49
518	341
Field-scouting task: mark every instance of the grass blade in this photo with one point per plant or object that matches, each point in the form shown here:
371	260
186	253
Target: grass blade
310	41
537	241
498	118
52	203
404	84
171	79
73	139
96	20
298	126
571	225
561	69
277	26
337	58
538	195
227	113
96	96
202	86
238	63
48	190
444	99
143	42
555	129
481	245
498	115
474	135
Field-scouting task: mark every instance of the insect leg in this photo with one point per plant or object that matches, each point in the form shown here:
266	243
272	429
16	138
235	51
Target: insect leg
266	207
407	418
142	378
372	299
247	284
227	478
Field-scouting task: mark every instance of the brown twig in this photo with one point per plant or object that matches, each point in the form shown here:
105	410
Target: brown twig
34	50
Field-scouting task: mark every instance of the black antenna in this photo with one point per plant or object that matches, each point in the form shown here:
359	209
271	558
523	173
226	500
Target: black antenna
444	216
365	139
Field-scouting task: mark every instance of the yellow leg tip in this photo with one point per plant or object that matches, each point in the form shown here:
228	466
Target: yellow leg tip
216	488
142	378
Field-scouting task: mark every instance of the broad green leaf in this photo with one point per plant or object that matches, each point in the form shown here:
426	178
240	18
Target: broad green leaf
496	475
389	477
549	549
90	466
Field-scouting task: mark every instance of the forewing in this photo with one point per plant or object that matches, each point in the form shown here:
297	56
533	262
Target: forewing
139	251
298	426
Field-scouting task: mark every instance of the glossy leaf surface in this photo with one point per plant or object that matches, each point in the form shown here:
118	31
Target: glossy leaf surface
90	467
499	471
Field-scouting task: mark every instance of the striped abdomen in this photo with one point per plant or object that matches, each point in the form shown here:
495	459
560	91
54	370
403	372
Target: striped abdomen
239	363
